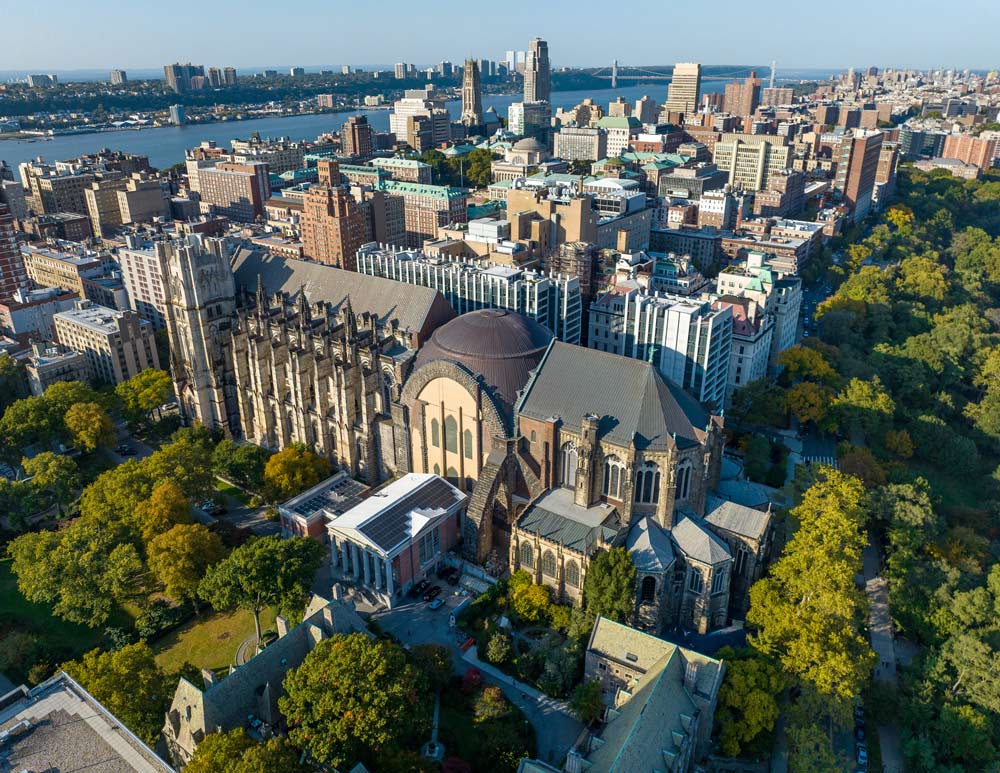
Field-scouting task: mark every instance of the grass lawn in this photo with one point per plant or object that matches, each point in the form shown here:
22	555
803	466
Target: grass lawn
209	641
231	491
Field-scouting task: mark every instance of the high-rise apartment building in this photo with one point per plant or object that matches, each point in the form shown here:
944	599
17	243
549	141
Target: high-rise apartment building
236	191
581	143
214	76
399	70
743	98
777	95
357	138
530	119
229	76
427	208
117	344
553	300
177	115
12	273
472	96
684	91
687	339
424	102
750	159
179	76
296	72
143	282
118	78
857	167
537	74
332	225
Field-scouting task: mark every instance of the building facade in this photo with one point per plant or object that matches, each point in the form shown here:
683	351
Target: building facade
117	344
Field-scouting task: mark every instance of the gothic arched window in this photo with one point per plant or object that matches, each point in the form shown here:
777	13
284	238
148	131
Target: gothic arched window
467	442
647	591
683	480
568	466
548	564
614	474
572	572
647	484
435	433
527	556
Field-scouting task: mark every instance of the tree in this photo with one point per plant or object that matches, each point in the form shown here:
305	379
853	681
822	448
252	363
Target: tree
352	697
180	557
860	462
899	443
241	463
90	426
292	471
236	752
498	647
435	662
11	381
54	473
748	699
609	587
166	508
809	401
808	610
145	392
801	363
263	572
587	701
128	683
479	166
864	405
530	602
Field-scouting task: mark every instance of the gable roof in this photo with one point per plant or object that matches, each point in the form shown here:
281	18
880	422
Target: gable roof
698	543
555	517
417	309
736	518
649	545
631	399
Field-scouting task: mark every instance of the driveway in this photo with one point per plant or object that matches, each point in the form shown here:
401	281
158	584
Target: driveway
413	622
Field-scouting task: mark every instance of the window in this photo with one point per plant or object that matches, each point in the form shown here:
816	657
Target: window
568	466
451	434
695	581
435	433
683	480
437	469
719	580
647	591
614	472
742	556
527	556
572	572
647	484
548	564
467	442
533	436
452	476
430	546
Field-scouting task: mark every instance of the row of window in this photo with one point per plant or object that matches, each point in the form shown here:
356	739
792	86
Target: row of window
451	436
571	570
647	477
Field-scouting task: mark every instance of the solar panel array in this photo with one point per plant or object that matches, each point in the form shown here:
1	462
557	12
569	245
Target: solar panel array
391	526
337	499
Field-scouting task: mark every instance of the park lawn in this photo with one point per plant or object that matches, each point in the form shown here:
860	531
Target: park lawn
232	491
209	640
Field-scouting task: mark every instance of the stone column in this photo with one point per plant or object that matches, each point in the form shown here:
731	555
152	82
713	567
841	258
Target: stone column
343	556
389	587
378	572
356	561
366	565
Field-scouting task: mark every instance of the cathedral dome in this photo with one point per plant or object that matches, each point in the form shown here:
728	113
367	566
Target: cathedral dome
529	143
499	345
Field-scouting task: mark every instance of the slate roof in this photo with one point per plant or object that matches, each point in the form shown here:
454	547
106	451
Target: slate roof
736	518
418	309
649	544
555	517
698	543
631	399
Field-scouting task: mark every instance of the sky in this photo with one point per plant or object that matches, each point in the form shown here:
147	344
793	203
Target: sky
64	35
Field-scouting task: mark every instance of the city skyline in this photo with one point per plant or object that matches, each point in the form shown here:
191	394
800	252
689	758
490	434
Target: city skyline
145	40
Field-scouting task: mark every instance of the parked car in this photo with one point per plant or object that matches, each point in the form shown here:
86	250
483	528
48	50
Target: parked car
436	604
862	755
432	592
213	508
859	732
859	715
124	450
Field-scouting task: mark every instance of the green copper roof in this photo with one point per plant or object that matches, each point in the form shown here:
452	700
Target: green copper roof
421	189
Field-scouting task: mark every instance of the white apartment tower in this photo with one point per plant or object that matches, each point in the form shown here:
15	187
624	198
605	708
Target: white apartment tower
685	88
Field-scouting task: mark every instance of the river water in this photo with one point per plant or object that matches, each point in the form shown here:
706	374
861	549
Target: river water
165	146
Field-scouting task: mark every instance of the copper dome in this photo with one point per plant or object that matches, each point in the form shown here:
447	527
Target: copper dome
499	345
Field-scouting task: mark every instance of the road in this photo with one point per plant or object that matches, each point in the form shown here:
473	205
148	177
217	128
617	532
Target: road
414	622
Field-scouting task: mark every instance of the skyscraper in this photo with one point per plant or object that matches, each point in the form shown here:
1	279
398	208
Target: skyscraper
537	78
118	77
332	224
178	76
685	87
229	76
12	273
472	97
742	98
357	138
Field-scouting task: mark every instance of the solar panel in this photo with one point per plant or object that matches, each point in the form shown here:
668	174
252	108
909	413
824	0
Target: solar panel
392	525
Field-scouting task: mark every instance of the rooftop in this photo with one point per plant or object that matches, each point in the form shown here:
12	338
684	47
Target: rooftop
94	317
557	518
422	189
331	497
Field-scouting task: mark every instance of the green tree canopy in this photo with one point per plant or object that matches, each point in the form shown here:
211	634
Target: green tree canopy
89	426
56	474
144	392
609	587
236	752
352	698
748	699
180	557
293	470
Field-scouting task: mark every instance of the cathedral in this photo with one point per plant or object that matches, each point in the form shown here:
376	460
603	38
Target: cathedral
562	451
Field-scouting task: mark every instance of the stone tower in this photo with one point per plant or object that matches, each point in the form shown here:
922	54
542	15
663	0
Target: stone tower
472	95
200	307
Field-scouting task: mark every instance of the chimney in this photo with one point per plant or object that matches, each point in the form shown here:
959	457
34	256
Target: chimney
690	676
281	624
209	676
622	242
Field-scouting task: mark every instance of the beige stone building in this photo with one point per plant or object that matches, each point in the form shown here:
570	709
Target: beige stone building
117	344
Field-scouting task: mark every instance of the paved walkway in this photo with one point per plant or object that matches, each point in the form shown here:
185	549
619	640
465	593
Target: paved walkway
881	633
556	729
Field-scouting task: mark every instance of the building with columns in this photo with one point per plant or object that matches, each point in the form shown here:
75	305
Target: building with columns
398	535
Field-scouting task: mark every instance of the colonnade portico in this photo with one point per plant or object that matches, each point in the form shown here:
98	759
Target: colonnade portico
363	564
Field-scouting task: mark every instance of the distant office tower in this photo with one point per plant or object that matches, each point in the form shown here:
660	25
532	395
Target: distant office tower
332	225
12	273
229	76
530	119
399	70
179	76
177	115
295	72
646	110
742	98
118	78
236	191
857	168
42	81
537	77
357	138
214	77
510	61
425	102
345	69
472	97
684	90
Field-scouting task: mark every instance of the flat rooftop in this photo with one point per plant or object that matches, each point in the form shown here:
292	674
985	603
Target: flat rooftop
59	726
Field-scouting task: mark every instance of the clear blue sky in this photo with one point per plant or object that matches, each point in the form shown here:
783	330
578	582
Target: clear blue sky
45	35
